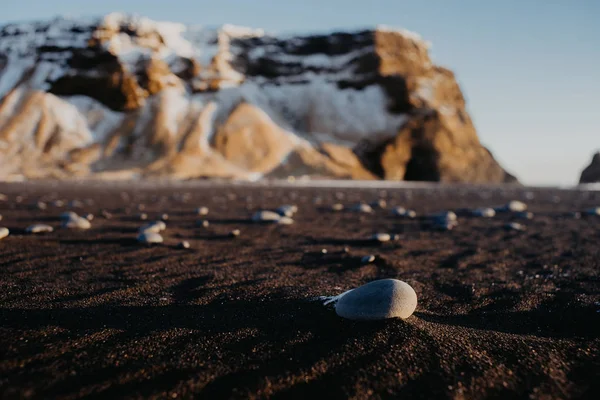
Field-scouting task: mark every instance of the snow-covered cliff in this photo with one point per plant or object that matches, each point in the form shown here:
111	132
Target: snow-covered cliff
124	96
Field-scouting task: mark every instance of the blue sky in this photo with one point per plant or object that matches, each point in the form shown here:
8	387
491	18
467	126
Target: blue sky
530	69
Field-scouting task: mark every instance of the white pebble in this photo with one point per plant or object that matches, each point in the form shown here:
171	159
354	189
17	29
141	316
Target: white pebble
148	237
367	259
266	216
155	227
287	210
77	223
39	228
4	232
285	221
202	210
337	207
484	212
381	237
381	299
362	207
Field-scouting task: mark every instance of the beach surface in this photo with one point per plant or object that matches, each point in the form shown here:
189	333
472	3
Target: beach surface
95	314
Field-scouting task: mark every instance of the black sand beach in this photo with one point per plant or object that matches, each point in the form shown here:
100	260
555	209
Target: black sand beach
501	314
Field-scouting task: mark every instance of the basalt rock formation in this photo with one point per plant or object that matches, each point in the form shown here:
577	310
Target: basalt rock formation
591	173
120	97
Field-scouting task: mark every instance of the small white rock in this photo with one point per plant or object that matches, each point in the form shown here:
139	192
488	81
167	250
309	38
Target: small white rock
515	206
155	227
184	245
515	226
362	207
337	207
4	232
381	237
202	210
367	259
404	213
287	210
39	228
266	216
235	233
381	299
484	212
148	237
285	221
77	223
524	215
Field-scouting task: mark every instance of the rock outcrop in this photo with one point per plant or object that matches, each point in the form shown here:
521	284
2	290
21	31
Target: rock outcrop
122	97
591	173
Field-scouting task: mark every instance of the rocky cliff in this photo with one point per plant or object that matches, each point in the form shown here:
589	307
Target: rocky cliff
591	173
124	97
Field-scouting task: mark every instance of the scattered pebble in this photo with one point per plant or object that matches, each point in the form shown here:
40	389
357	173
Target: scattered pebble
324	251
76	222
184	245
164	217
514	206
40	205
404	213
202	211
89	217
367	259
203	223
337	207
287	210
484	212
58	203
285	221
235	233
381	299
3	197
149	237
105	214
381	237
524	215
362	207
266	216
381	203
4	232
39	228
515	226
155	227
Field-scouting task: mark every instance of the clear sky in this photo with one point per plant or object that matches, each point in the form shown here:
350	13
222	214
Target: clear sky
530	69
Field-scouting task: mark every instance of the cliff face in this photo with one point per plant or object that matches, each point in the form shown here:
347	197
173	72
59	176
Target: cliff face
591	173
122	97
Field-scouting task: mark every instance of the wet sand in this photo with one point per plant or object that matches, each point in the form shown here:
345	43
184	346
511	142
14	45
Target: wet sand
501	314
